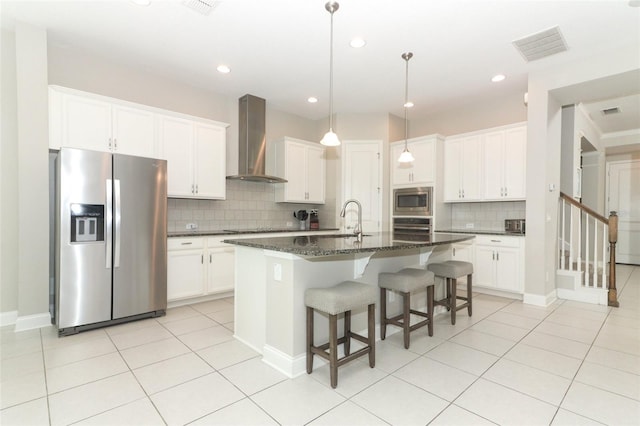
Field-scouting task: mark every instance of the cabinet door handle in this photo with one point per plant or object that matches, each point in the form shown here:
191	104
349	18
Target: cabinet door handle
454	252
202	259
498	255
493	255
496	241
196	188
110	143
115	143
192	189
186	244
210	257
505	191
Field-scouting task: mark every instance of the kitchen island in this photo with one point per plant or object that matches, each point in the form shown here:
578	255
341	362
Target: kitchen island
272	275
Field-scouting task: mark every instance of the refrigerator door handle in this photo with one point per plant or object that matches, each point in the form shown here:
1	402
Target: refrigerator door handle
116	242
109	191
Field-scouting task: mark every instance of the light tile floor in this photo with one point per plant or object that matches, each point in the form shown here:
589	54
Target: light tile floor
568	364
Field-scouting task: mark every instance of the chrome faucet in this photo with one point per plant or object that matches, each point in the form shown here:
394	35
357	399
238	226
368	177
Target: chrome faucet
358	229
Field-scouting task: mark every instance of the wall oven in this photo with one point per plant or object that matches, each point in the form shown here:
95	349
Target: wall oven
415	201
411	229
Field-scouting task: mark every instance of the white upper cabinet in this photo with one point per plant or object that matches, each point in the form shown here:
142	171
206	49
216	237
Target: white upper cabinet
195	154
86	121
462	169
303	165
505	164
487	165
195	148
421	170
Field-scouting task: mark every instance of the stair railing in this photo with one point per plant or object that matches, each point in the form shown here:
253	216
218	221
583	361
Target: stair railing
584	237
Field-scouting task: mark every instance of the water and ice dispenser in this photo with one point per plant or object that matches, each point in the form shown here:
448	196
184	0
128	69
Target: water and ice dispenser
87	223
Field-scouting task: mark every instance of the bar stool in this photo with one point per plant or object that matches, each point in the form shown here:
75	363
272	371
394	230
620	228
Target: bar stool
404	282
341	298
450	271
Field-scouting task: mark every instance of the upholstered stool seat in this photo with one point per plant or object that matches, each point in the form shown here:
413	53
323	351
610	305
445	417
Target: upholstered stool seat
450	271
341	298
404	282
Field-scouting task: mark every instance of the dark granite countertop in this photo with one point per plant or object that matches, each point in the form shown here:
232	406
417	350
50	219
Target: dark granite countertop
242	231
479	232
329	245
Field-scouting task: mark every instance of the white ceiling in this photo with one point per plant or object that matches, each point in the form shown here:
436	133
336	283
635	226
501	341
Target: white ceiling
279	49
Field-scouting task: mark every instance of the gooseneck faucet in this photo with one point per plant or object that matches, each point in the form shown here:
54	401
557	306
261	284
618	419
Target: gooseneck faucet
358	230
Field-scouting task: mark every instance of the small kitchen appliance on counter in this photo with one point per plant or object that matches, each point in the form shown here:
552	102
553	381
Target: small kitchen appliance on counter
514	226
314	222
302	216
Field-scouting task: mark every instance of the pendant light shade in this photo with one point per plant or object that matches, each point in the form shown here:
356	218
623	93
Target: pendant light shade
330	138
406	156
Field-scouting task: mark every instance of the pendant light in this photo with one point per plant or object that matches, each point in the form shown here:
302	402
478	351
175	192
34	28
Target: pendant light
406	156
330	138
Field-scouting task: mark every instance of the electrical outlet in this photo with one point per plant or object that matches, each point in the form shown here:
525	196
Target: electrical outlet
470	225
277	272
192	226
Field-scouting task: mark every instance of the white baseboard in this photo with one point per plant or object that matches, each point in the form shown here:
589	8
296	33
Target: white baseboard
29	322
538	300
8	318
287	365
587	295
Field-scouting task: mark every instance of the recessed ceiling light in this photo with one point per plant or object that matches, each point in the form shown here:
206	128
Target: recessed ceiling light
357	43
498	78
141	2
312	99
223	69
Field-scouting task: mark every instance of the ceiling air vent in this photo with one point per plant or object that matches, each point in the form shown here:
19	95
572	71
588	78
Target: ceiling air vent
203	7
542	44
609	111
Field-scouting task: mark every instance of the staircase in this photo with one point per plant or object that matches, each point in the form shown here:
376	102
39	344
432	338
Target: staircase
587	244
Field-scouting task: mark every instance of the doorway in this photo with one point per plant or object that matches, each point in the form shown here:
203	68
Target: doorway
362	180
623	197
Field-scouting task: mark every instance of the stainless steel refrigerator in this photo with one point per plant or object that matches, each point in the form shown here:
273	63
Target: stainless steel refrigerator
111	239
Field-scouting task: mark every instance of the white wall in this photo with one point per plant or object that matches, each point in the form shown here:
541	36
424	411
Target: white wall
8	175
492	112
33	167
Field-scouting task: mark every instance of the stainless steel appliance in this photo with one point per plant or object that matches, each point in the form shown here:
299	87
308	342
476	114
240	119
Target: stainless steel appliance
411	229
415	201
252	141
514	226
111	239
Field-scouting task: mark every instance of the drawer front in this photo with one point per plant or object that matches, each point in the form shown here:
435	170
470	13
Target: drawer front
498	240
191	243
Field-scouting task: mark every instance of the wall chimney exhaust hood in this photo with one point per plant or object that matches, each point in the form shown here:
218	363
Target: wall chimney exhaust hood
252	141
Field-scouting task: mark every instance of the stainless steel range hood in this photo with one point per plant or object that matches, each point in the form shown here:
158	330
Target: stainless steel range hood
252	141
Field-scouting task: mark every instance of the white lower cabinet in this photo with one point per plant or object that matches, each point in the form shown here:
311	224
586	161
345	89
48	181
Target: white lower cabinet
499	263
199	266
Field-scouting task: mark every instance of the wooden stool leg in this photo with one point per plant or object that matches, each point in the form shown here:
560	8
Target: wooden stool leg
309	339
383	313
453	300
371	330
333	350
469	298
447	285
430	309
406	318
347	331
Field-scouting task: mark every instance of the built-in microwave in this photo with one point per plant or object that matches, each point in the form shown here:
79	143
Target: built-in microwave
417	201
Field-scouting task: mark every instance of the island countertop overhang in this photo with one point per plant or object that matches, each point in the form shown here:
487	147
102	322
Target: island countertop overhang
331	245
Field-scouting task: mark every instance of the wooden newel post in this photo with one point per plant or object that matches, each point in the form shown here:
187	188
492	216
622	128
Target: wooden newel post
613	239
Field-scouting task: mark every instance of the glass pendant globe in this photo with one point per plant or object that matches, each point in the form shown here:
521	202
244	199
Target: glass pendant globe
330	139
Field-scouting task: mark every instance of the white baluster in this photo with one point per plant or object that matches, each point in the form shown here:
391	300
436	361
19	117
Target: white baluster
586	248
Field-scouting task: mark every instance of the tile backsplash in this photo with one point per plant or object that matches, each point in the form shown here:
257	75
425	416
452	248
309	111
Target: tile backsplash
248	205
488	216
